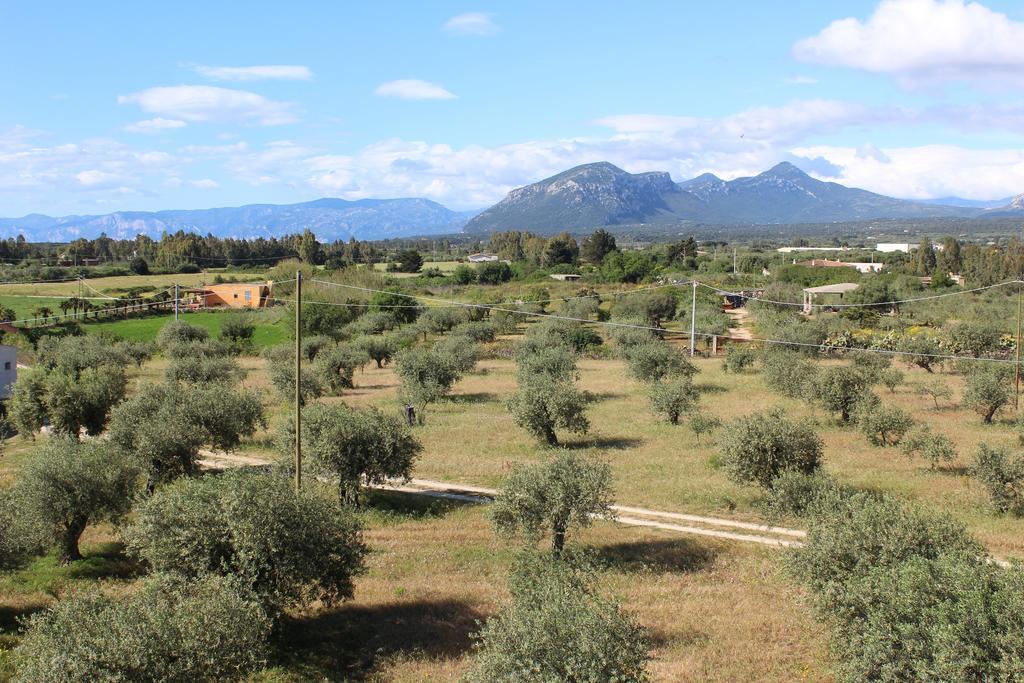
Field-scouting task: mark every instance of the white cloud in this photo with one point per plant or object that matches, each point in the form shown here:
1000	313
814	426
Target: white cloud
205	184
923	42
472	24
414	89
801	80
266	72
94	177
204	103
157	125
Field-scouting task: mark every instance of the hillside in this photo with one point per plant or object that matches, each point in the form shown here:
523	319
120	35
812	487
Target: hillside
603	194
330	219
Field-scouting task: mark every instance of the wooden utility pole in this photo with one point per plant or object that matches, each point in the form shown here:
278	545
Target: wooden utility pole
298	383
693	321
1016	365
175	302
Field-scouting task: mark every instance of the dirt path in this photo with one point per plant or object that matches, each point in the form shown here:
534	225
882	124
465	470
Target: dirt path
741	318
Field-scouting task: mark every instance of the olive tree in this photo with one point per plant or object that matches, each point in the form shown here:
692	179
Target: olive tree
839	389
65	486
335	367
657	360
935	390
179	332
738	358
163	426
203	370
281	371
1002	476
883	425
789	373
674	397
462	351
555	361
701	424
284	547
427	375
379	348
68	402
935	448
354	446
922	351
987	390
559	627
237	331
890	378
169	630
542	405
758	448
560	494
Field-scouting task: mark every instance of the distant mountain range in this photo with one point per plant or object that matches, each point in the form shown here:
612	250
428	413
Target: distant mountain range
580	199
330	219
602	194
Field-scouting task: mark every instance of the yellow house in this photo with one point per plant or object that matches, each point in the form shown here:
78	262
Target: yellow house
232	295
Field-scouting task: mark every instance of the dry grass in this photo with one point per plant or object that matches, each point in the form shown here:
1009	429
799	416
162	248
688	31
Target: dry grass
109	285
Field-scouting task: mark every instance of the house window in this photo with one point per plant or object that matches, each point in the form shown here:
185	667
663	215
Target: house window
7	365
236	296
248	295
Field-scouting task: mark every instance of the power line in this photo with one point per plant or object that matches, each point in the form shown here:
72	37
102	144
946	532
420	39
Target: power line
862	305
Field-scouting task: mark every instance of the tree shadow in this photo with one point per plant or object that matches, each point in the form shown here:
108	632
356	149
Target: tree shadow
346	643
404	504
476	397
709	388
598	396
106	561
11	617
667	555
612	442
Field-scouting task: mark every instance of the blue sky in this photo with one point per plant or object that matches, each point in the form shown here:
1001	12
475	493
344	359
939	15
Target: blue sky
142	106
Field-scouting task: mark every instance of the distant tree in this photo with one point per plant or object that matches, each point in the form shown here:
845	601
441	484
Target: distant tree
308	247
987	390
203	370
738	358
543	405
838	389
701	424
921	350
287	548
161	632
336	366
884	425
354	447
553	497
237	331
402	308
935	390
427	376
758	448
380	349
561	250
558	627
463	275
281	371
1002	476
597	245
890	378
409	261
139	266
674	397
935	448
976	339
493	272
65	486
657	360
541	358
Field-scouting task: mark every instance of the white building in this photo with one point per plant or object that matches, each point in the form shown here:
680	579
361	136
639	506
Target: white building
8	369
790	250
890	247
481	258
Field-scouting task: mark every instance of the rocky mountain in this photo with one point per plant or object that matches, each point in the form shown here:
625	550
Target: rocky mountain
601	194
1015	207
330	219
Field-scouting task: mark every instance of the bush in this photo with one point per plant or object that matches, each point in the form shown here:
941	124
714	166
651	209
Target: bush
674	397
379	349
553	361
177	333
657	360
935	390
1002	477
870	364
169	630
701	424
738	358
493	272
354	446
66	486
935	448
237	331
543	405
286	548
789	373
884	425
758	448
554	497
987	390
840	389
335	367
427	376
203	370
281	372
795	494
921	350
463	275
462	352
557	627
139	266
481	331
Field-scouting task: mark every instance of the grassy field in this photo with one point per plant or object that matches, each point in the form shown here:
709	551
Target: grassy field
444	266
271	329
111	286
25	307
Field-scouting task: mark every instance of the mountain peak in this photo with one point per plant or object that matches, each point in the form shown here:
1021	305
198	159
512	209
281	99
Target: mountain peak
784	169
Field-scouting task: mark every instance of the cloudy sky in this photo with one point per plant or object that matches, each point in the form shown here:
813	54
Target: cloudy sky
196	104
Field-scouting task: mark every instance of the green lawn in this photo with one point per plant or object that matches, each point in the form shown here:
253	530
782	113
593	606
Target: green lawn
271	329
24	306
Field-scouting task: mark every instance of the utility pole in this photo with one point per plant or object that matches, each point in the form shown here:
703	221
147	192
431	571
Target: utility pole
693	321
734	260
175	302
1016	365
298	383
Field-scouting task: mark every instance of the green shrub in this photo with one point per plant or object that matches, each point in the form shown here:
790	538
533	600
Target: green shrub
674	397
427	376
758	448
890	378
380	349
839	389
701	424
988	390
870	364
656	360
286	548
177	333
1002	476
789	373
170	630
921	350
558	627
555	496
796	494
237	330
738	358
203	370
281	372
935	390
555	361
335	367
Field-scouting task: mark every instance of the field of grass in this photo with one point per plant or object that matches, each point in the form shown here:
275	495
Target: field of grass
25	307
111	286
271	329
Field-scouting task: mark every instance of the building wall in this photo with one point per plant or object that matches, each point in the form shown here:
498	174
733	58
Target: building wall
238	296
8	369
